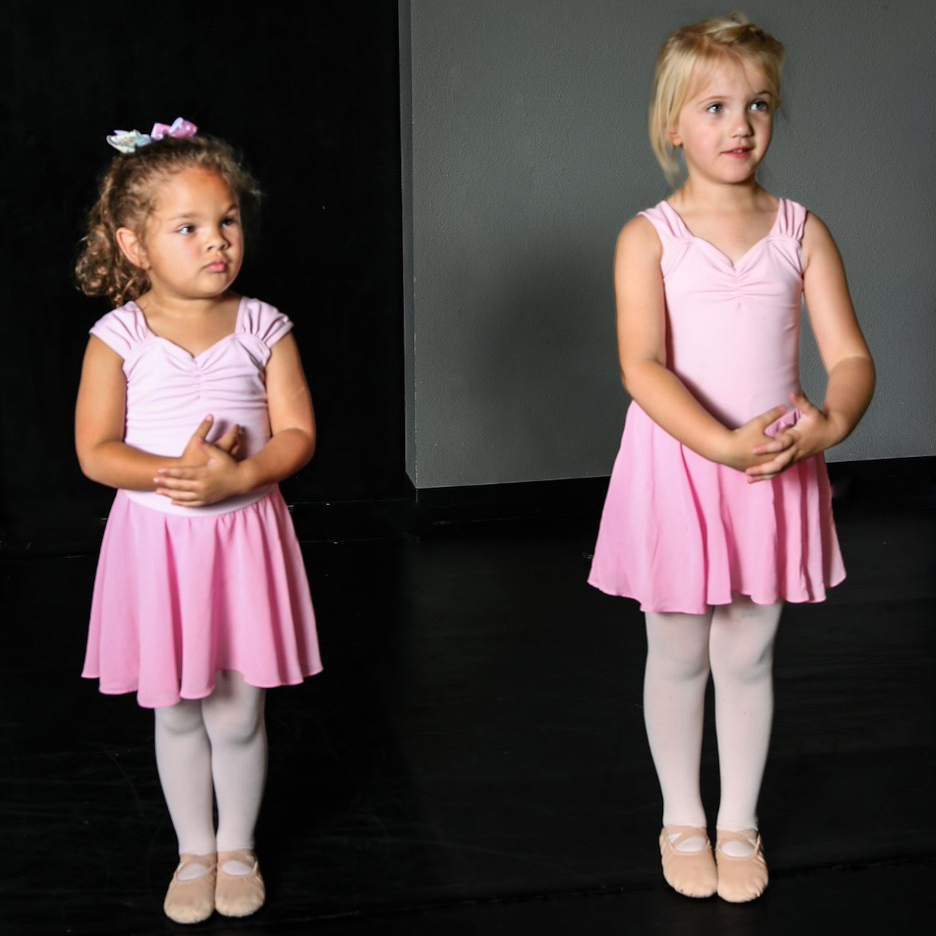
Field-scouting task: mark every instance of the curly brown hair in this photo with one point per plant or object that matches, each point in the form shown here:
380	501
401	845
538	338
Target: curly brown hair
126	196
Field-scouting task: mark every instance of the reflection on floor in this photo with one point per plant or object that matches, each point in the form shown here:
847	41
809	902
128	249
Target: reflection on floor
473	758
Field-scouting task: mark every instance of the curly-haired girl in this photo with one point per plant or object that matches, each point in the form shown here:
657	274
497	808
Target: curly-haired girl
200	600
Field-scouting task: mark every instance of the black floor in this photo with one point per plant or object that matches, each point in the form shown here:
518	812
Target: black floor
473	759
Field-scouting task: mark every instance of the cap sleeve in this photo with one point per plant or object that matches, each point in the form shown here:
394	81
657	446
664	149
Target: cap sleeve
121	330
265	322
791	217
669	226
672	231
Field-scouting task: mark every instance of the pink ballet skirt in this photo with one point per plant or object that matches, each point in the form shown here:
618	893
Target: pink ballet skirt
183	592
178	598
678	532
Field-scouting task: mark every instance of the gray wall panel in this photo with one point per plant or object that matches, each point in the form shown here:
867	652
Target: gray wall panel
529	152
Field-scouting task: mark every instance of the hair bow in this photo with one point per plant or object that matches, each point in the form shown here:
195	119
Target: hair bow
178	128
126	141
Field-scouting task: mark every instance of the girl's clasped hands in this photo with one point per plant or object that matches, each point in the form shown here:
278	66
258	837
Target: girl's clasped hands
812	433
207	472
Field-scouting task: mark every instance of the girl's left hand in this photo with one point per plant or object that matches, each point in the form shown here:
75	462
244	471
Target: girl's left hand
813	433
219	477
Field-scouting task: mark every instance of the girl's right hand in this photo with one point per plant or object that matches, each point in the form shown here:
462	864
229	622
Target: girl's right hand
197	450
739	452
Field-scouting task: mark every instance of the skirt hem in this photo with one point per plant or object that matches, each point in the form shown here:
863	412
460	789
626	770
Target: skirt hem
758	599
151	704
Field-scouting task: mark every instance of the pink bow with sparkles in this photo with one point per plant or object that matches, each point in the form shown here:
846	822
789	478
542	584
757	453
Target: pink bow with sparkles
178	128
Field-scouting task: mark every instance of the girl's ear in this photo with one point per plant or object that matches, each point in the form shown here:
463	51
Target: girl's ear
674	136
131	246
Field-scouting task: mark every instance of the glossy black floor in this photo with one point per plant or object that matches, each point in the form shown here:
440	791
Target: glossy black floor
473	758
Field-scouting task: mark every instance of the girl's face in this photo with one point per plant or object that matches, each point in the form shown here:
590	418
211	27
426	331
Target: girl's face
725	125
191	245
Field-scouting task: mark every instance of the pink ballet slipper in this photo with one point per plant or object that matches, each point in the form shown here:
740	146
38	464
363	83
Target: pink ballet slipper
690	873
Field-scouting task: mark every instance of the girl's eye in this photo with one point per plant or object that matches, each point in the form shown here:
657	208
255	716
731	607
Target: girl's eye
714	109
760	106
186	229
229	222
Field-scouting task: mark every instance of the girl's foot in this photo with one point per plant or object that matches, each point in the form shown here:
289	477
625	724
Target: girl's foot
191	894
688	865
240	889
742	868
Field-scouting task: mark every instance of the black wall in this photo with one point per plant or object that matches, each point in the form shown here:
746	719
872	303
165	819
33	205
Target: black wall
310	93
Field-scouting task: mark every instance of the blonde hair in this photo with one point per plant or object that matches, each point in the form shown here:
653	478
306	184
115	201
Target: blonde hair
704	44
126	196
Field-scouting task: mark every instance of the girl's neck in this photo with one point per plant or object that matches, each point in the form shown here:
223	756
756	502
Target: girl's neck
702	195
156	304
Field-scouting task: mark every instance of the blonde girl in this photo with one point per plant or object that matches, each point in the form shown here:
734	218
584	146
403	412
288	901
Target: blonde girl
719	508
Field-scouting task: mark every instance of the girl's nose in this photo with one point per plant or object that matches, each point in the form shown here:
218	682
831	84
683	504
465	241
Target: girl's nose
218	239
743	126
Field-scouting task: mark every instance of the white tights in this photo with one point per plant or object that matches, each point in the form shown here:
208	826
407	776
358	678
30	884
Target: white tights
220	743
735	643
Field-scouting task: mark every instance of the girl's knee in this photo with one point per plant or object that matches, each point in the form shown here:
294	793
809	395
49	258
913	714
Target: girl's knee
182	718
236	718
678	645
742	668
744	655
679	665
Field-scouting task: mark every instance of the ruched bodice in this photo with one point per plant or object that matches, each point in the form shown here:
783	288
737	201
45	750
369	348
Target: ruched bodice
170	391
733	328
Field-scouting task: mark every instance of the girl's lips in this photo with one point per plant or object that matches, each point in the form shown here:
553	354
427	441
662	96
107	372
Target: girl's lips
219	266
739	152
